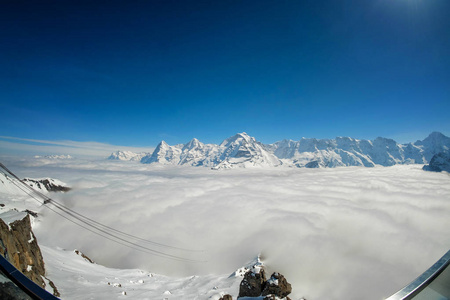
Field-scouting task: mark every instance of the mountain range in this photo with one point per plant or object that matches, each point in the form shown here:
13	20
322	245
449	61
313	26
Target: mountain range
242	150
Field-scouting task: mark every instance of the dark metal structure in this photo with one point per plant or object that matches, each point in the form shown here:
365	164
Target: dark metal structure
15	285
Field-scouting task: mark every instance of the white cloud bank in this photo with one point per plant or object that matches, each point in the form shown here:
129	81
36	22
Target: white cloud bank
31	147
344	233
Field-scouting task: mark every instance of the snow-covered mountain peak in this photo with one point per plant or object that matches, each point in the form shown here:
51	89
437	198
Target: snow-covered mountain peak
436	135
55	156
239	138
162	145
242	150
192	144
164	153
384	140
286	141
47	184
10	185
435	143
126	155
346	139
435	139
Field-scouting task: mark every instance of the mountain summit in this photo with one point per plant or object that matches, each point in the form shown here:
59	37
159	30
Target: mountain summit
164	154
242	150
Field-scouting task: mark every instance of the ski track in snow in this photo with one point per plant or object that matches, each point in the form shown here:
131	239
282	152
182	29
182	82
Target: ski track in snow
334	233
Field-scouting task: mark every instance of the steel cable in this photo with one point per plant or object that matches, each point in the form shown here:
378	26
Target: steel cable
94	225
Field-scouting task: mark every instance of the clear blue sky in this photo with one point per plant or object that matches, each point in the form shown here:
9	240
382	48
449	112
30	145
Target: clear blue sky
136	72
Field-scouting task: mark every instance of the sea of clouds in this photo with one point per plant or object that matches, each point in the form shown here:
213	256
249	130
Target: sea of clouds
343	233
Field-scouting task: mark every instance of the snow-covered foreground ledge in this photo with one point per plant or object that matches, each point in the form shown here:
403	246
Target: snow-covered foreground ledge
341	233
77	278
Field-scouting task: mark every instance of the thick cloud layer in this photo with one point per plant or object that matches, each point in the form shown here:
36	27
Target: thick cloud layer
345	233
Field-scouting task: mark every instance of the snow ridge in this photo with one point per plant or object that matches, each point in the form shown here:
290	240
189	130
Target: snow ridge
244	151
126	155
240	150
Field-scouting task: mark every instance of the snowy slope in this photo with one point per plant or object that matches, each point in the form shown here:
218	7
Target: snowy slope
439	162
126	155
435	143
45	185
242	150
77	278
7	186
163	154
195	153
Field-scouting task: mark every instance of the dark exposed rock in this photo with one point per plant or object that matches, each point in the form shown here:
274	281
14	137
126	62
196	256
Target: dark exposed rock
19	246
226	297
32	213
253	283
48	184
312	164
277	285
439	162
78	252
273	297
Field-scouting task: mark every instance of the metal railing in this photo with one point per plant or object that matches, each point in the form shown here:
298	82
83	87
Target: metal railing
23	283
433	284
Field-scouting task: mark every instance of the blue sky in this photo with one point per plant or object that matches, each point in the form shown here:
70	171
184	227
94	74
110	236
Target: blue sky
136	72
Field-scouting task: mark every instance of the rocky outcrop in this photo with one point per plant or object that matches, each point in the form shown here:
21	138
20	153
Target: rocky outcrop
19	246
254	284
313	164
86	258
277	285
47	184
439	162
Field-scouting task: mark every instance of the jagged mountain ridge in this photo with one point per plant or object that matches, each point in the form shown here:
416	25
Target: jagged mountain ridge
42	185
238	150
242	150
439	162
126	155
47	184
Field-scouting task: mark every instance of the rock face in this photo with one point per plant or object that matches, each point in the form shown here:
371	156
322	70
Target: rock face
277	285
439	162
255	284
163	154
19	246
47	184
